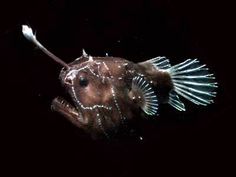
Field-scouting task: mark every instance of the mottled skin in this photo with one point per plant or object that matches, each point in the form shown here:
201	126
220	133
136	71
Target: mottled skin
100	87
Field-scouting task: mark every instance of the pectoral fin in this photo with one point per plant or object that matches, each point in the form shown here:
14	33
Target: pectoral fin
143	94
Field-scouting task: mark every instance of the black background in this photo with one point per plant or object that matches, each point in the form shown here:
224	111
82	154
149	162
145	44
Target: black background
39	142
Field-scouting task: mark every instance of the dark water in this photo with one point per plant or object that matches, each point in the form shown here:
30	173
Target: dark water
38	142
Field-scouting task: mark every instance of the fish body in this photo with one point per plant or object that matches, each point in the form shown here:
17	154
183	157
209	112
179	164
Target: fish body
108	100
109	92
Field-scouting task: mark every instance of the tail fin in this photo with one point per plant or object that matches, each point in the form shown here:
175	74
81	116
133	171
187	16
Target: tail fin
192	81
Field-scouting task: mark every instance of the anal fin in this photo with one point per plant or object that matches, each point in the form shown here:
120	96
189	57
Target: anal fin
175	102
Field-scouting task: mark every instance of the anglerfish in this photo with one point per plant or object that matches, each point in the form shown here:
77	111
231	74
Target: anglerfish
108	92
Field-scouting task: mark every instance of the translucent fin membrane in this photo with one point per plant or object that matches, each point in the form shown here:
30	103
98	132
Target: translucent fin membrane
150	105
160	62
193	81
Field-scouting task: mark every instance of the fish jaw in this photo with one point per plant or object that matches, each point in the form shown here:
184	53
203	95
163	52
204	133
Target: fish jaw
72	113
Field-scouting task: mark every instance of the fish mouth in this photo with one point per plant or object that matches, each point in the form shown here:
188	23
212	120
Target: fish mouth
73	113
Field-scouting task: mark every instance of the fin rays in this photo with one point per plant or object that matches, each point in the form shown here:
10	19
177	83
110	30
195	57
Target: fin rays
175	101
159	62
192	81
150	105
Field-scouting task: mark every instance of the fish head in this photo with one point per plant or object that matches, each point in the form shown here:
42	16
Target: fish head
91	88
97	88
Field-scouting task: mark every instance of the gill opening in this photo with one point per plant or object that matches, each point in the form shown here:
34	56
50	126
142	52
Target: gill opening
28	33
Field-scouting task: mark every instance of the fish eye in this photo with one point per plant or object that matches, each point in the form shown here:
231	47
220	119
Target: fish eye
83	82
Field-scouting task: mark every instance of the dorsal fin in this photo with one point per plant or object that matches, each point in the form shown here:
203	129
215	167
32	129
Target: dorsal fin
159	62
149	99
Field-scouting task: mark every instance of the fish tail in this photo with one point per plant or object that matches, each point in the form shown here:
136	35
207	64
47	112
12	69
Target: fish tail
192	81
